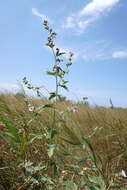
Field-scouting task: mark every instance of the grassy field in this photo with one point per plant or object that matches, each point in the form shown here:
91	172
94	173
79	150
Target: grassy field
72	146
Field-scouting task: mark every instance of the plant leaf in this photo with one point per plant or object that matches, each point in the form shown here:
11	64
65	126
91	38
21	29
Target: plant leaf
12	130
70	185
51	149
8	140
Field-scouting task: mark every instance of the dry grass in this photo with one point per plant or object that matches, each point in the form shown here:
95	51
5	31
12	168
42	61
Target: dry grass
105	127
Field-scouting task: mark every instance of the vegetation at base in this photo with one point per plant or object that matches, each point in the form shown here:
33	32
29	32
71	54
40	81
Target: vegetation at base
50	144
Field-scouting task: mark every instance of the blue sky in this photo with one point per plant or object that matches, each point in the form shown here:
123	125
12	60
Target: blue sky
95	30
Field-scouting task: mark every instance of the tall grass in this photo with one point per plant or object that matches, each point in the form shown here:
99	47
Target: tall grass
103	129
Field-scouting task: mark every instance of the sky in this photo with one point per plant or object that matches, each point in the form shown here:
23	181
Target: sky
94	30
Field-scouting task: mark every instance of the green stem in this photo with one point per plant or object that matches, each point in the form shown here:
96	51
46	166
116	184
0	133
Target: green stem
56	90
56	77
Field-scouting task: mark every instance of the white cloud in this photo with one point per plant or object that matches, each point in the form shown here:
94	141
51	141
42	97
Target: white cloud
89	14
42	16
37	13
120	54
97	7
70	22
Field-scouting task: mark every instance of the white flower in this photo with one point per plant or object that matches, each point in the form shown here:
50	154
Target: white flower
123	173
84	147
31	109
84	169
64	172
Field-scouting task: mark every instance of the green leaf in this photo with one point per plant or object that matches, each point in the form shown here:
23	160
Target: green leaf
59	60
53	133
92	188
12	130
62	53
98	183
64	86
35	169
8	140
48	106
47	180
70	185
50	150
51	73
52	95
68	64
65	81
58	53
41	108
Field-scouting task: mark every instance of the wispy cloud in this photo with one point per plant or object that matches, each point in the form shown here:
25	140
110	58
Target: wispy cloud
89	14
96	7
94	51
120	54
42	16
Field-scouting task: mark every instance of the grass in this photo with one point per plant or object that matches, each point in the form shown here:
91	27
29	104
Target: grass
102	128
